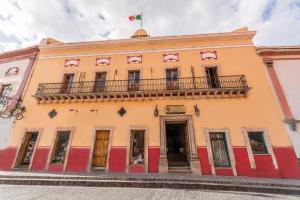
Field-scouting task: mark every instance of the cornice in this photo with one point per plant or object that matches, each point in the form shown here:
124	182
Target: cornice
150	40
28	52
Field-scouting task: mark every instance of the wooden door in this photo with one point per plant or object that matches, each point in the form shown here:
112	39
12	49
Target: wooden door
100	149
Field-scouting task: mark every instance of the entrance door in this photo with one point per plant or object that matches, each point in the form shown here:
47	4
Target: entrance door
100	80
67	83
100	149
176	143
26	150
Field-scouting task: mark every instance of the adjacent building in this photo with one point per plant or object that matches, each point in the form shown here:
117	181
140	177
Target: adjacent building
193	103
283	66
15	69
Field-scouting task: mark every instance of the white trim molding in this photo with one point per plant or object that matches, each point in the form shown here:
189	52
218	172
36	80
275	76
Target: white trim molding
207	131
264	131
146	132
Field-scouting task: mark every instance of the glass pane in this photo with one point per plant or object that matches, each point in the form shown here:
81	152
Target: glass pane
257	143
137	147
61	147
219	150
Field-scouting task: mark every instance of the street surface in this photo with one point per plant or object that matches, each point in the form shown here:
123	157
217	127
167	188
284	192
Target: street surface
26	192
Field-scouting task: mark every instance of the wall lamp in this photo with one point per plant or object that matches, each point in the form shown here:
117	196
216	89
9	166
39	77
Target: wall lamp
73	110
156	112
197	110
93	110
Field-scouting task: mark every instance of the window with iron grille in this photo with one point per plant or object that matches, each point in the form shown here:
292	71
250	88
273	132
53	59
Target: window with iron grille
219	149
60	147
137	147
257	142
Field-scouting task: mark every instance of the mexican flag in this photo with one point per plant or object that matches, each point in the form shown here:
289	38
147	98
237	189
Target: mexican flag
135	17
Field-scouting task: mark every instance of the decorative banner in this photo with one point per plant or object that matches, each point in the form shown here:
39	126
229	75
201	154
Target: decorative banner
211	55
171	57
72	62
103	61
13	71
134	59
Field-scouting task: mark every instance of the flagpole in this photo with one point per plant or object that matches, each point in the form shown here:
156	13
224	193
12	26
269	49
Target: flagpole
142	20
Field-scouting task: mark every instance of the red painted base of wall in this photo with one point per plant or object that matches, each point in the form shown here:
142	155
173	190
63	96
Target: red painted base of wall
40	158
117	159
7	157
136	169
265	167
153	159
203	157
78	159
224	171
287	162
56	167
243	167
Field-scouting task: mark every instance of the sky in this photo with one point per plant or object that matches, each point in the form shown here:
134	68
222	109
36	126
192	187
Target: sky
25	22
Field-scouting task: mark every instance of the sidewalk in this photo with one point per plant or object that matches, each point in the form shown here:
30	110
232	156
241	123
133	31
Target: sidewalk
182	181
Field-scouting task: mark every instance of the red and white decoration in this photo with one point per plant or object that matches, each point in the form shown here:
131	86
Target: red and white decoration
103	61
171	57
134	59
72	62
210	55
13	71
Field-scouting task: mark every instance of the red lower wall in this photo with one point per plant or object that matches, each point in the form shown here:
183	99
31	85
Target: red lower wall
243	167
287	162
153	159
40	158
224	171
55	167
136	169
78	159
265	167
117	159
203	157
7	157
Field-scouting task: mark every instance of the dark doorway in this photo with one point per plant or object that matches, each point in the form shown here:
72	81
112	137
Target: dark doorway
177	143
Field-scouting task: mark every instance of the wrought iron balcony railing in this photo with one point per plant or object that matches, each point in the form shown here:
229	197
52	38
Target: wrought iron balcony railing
221	85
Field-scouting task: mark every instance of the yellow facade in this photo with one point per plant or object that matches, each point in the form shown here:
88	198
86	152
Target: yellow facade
236	55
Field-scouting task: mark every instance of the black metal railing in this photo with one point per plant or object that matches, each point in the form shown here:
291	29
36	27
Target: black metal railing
147	85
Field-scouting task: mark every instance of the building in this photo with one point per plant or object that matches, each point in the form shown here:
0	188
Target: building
283	66
15	69
191	103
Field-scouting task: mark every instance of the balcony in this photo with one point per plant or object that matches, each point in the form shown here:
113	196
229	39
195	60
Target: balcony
191	87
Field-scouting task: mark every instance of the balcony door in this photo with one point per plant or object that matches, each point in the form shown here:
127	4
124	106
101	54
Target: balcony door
172	79
100	80
67	83
133	80
212	77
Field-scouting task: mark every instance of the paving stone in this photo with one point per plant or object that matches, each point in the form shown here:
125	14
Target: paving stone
12	192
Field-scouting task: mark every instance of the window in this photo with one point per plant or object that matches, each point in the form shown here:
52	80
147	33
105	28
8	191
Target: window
137	147
219	149
133	80
67	83
257	143
172	78
100	80
60	147
27	148
5	90
212	77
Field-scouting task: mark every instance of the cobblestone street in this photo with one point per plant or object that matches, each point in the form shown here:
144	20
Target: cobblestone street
13	192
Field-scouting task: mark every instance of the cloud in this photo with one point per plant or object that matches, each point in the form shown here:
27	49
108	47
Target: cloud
24	23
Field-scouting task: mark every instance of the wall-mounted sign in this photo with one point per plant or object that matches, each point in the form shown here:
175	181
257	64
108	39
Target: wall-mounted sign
72	62
134	59
171	57
175	109
13	71
210	55
103	61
